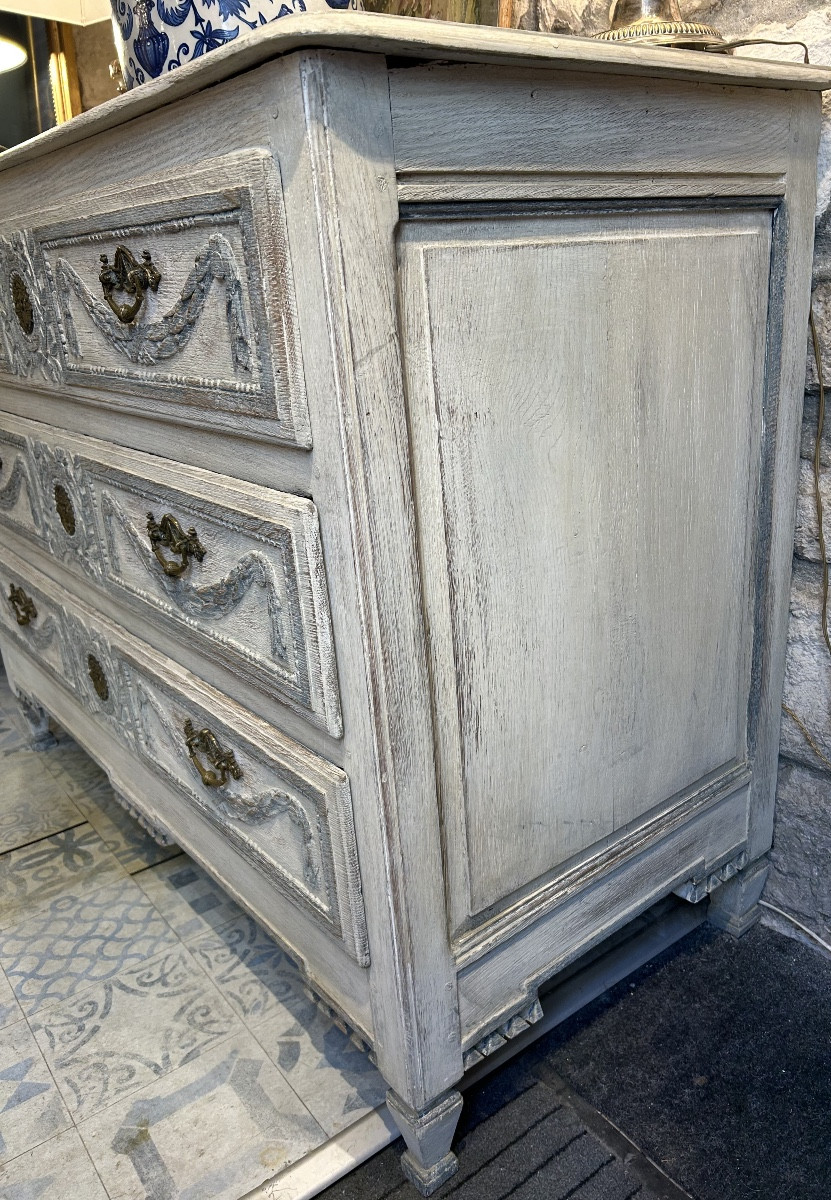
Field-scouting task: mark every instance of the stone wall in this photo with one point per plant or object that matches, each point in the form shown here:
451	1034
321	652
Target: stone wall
800	877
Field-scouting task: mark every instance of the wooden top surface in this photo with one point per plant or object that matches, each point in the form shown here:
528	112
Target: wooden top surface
409	37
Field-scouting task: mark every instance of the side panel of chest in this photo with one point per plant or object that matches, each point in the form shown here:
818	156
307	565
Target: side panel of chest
586	411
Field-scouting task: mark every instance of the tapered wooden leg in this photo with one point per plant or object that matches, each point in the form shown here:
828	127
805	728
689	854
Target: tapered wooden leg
37	723
427	1162
734	906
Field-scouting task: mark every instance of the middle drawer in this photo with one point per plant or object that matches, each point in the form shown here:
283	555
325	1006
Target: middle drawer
223	564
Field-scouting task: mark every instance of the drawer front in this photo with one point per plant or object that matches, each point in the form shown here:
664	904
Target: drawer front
285	811
33	621
175	298
248	582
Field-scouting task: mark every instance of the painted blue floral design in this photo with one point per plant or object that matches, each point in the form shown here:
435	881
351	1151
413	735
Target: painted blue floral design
187	29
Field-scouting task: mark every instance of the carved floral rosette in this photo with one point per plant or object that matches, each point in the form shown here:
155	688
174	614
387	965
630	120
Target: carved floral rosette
28	338
68	517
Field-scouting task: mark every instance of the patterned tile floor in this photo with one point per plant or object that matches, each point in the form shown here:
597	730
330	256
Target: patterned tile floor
155	1044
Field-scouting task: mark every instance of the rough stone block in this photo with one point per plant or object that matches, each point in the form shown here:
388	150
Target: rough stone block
800	862
806	540
807	671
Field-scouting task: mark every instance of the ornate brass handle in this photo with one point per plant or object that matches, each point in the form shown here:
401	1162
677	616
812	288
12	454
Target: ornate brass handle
170	534
23	605
202	741
129	277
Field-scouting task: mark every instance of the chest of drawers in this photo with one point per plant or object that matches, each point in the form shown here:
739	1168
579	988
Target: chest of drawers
398	444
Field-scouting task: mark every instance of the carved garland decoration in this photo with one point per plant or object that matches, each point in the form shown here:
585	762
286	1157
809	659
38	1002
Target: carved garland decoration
215	600
149	342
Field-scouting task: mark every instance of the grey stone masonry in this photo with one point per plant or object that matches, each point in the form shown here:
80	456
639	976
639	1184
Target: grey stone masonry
800	878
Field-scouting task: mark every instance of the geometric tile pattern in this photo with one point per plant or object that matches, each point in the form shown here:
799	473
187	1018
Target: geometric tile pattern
80	938
249	968
334	1079
59	1169
114	1038
188	899
31	1110
34	804
163	1141
155	1043
34	873
89	789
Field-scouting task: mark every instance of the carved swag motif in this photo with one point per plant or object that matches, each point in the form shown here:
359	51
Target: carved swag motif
149	342
214	600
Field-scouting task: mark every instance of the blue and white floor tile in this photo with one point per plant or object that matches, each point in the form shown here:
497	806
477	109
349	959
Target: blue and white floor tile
188	899
89	789
119	1036
35	873
81	937
31	1109
164	1140
42	807
249	969
60	1169
155	1043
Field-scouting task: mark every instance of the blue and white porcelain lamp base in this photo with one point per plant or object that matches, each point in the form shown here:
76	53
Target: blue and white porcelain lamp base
155	36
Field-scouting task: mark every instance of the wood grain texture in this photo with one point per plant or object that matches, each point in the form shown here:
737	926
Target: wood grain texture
258	597
288	816
391	35
551	299
585	461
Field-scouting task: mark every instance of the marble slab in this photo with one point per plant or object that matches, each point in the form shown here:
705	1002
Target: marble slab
189	899
31	1109
249	968
65	945
34	804
118	1036
216	1128
75	858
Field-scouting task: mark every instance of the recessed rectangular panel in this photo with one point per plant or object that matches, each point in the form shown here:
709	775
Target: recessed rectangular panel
585	401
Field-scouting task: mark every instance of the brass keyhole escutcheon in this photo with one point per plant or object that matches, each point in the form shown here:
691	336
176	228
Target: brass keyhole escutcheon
22	302
99	679
203	741
23	605
66	512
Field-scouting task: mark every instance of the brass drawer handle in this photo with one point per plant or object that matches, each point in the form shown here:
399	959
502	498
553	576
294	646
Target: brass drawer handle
130	278
23	605
169	533
202	741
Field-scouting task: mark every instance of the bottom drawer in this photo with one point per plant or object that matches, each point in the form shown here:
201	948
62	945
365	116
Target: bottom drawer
284	811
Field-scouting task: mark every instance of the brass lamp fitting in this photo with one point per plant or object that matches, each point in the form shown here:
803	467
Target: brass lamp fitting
658	23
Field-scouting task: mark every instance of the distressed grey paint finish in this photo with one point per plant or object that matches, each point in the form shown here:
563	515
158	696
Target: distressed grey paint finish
523	444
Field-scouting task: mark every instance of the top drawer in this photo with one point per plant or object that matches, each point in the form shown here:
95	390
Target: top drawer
174	299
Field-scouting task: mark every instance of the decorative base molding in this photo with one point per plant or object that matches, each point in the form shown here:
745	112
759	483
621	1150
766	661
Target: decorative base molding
528	1015
337	1018
37	722
735	907
158	832
427	1161
700	887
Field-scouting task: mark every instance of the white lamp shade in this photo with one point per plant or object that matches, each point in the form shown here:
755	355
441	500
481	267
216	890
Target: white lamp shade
12	55
75	12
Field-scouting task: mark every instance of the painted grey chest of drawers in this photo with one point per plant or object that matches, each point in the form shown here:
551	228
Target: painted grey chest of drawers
399	435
